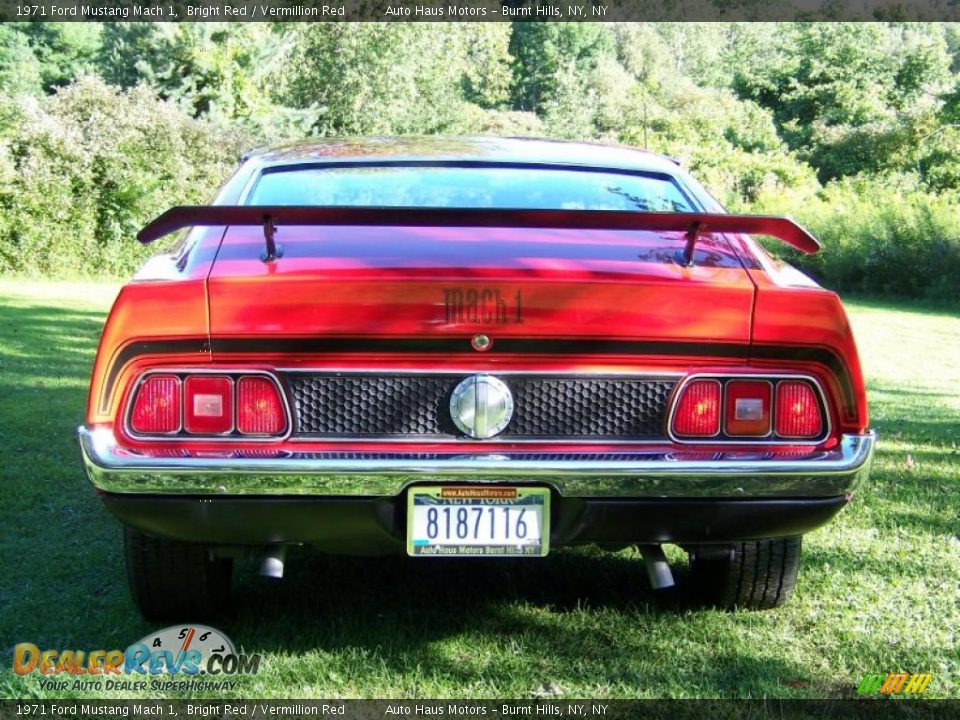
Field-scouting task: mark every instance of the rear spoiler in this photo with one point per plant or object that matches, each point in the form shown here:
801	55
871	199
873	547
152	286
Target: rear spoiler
270	216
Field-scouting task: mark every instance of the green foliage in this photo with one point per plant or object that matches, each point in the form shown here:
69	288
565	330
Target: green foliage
61	51
374	78
847	97
498	123
487	72
220	71
552	57
731	146
880	235
854	128
20	71
84	169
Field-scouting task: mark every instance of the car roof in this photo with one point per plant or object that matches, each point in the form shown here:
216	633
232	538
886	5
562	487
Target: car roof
463	149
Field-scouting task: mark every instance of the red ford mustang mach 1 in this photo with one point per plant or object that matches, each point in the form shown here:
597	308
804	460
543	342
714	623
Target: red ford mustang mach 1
488	348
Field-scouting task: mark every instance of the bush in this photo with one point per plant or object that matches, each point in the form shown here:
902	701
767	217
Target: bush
879	236
84	169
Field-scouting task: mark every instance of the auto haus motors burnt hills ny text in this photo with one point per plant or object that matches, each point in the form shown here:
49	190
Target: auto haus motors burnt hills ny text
504	11
454	709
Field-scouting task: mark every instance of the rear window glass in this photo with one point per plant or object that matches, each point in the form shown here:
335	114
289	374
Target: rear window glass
459	187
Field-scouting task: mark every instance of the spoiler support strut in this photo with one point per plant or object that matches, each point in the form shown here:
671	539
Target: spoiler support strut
693	234
272	250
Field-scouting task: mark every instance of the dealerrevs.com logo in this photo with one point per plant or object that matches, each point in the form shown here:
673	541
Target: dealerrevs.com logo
181	657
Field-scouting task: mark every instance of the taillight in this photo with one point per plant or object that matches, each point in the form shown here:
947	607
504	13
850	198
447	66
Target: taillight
698	410
199	405
259	407
798	412
156	409
208	404
748	408
752	408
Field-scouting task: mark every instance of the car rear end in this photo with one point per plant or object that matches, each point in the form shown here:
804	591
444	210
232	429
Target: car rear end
395	383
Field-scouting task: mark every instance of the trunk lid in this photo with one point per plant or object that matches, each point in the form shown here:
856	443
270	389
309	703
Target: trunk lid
443	282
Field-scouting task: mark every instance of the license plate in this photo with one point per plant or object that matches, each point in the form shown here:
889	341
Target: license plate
478	521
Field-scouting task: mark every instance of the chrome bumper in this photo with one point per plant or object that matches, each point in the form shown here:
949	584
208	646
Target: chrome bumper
636	474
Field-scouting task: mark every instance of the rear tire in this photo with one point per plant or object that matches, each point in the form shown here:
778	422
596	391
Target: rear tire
173	580
756	575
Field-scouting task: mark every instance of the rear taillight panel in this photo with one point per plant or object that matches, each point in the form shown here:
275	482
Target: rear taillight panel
798	411
205	405
208	404
749	409
698	409
156	408
260	409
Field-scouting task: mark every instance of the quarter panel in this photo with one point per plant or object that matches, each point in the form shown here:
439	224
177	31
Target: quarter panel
163	321
815	319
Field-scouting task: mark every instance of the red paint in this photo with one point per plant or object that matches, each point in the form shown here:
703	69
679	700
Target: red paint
393	282
732	311
692	224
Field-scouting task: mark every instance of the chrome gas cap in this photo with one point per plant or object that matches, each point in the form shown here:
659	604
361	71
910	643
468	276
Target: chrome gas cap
481	406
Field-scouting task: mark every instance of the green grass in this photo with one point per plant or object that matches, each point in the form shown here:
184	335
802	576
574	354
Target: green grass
879	587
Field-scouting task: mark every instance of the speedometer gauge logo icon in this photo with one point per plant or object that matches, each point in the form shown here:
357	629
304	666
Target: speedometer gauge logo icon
170	646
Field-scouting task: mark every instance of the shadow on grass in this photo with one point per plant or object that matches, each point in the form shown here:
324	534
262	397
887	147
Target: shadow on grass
576	616
914	479
47	340
53	544
901	412
590	617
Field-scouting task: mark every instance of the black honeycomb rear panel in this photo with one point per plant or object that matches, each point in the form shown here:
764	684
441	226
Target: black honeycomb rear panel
411	406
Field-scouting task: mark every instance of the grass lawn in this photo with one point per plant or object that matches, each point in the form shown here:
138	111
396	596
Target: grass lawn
879	588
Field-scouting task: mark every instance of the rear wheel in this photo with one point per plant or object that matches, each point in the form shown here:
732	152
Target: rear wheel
755	575
172	580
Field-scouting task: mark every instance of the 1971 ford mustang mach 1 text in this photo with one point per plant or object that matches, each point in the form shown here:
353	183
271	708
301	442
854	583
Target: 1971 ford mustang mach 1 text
471	348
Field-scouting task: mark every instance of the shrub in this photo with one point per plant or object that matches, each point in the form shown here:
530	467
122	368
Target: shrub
879	236
85	168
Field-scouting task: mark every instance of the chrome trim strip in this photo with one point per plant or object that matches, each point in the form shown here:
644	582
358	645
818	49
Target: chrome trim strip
467	370
743	474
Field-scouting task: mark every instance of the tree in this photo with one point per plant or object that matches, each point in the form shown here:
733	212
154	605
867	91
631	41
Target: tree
64	50
84	168
20	71
846	96
375	78
220	71
546	54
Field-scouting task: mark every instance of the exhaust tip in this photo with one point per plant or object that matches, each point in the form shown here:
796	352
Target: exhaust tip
658	569
272	564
